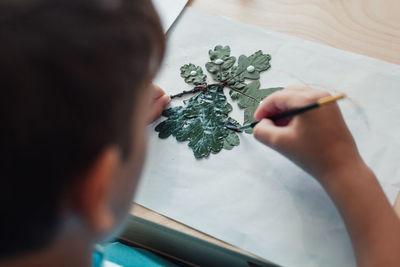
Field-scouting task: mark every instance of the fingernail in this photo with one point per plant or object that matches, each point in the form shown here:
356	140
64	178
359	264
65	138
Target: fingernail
166	99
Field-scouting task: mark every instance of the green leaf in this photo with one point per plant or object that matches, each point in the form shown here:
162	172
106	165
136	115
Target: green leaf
249	117
232	139
238	86
201	122
260	61
249	104
193	74
243	63
220	63
220	52
257	63
228	63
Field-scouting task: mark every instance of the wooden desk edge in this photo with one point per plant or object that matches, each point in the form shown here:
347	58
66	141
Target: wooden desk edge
150	215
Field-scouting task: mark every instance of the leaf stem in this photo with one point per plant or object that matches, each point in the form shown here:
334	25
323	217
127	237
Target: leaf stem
236	90
193	91
237	74
204	88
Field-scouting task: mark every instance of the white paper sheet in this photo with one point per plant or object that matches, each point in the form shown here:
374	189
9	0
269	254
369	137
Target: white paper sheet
169	10
252	197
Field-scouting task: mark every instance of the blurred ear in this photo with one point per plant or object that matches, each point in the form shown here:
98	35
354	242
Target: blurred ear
94	189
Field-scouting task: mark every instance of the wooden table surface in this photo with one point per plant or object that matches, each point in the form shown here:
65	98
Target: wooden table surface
367	27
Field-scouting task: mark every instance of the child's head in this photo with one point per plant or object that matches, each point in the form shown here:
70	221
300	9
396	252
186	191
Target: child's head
74	80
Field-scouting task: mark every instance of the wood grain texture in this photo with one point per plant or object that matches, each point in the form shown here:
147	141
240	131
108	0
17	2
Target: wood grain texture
367	27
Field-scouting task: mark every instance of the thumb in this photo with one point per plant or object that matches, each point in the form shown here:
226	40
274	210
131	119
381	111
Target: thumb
269	134
158	107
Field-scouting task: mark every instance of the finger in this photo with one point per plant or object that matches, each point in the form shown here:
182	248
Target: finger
267	107
157	91
274	104
296	88
283	122
268	133
158	107
287	99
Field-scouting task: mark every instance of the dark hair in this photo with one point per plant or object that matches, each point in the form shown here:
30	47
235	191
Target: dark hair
70	71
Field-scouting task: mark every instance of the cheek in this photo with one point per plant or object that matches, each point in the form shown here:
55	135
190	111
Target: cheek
125	183
129	174
138	155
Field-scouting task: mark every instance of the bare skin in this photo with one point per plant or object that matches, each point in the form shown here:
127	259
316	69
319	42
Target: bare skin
160	100
319	142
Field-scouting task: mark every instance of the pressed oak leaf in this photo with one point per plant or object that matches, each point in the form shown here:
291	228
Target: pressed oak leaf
202	119
250	67
201	122
221	62
193	74
249	104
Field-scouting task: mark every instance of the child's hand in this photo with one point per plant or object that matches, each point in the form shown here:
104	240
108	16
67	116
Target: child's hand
317	140
159	101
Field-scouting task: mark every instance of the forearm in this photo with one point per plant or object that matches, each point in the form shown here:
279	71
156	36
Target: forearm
320	142
371	221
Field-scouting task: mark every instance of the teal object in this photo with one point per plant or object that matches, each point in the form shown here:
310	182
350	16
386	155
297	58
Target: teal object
98	256
129	256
